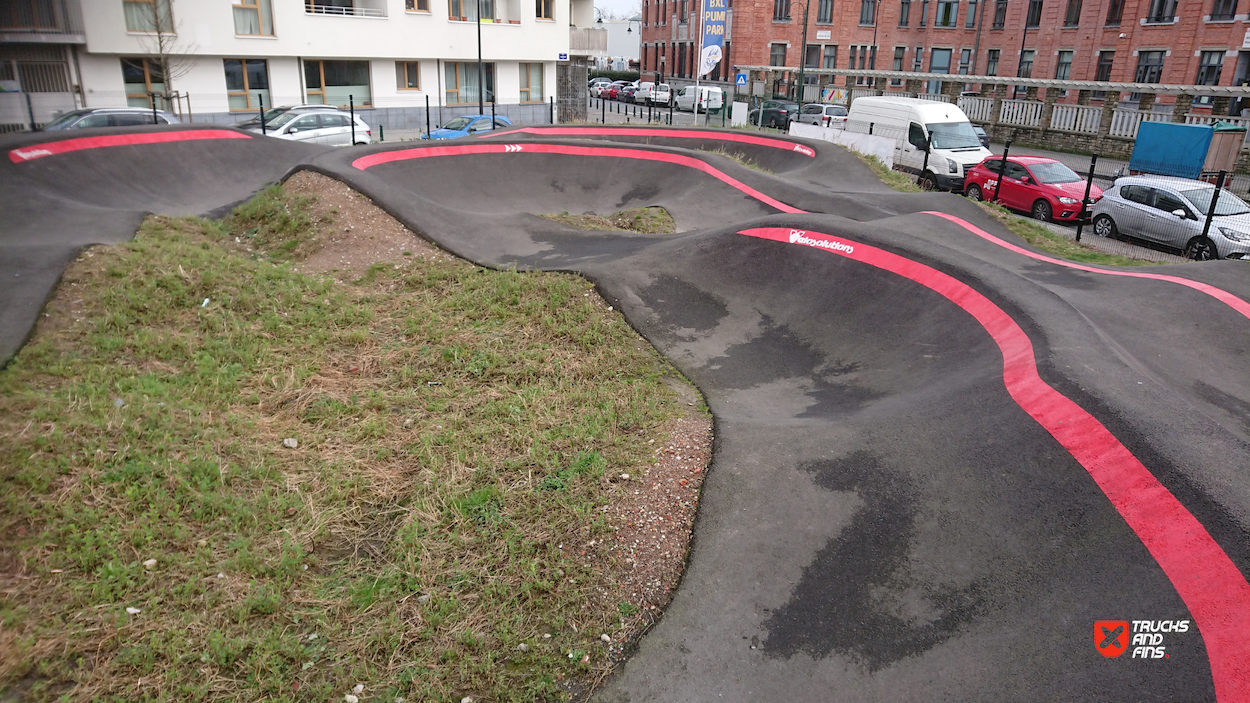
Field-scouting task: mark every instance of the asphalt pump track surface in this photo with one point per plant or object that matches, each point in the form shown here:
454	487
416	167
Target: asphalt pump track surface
947	466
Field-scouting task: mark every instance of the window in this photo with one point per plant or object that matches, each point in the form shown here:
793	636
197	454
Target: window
824	12
776	54
831	56
1161	12
253	18
247	84
1149	67
1210	66
1000	14
781	10
991	62
904	13
141	77
466	10
1115	11
867	12
965	60
971	22
684	11
544	9
1135	194
1035	14
417	5
407	75
460	82
811	56
1063	67
917	63
26	14
1103	71
900	53
1168	202
532	83
1025	70
1224	10
939	62
924	12
337	82
947	10
148	15
1073	17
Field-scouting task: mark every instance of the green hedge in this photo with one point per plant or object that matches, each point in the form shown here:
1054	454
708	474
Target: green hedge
614	75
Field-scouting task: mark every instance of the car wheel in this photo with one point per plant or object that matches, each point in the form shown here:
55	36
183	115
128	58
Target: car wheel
772	122
927	181
1042	211
1201	249
974	192
1104	226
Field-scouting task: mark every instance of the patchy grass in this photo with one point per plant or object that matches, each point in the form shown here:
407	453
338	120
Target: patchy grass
283	225
645	220
1056	244
890	177
456	431
738	158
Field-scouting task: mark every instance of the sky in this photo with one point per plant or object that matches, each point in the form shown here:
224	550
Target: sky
619	8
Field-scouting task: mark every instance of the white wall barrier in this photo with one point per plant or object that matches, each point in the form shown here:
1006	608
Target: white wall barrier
868	144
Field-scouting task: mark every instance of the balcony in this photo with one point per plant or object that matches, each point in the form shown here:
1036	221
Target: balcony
41	21
588	41
346	8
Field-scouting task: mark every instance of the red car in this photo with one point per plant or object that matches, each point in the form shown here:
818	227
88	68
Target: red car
610	92
1041	186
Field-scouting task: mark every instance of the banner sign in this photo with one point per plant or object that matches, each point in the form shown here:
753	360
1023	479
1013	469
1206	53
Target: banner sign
714	15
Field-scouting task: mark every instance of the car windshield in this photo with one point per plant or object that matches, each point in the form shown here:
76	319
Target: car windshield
63	121
1227	204
1053	172
952	135
458	123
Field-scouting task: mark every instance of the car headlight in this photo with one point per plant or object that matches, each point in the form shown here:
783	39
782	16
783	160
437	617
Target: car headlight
1069	201
953	165
1235	235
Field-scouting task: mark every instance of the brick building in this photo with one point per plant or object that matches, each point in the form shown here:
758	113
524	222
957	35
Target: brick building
1200	42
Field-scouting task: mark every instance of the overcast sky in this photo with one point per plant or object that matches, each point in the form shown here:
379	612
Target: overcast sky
619	8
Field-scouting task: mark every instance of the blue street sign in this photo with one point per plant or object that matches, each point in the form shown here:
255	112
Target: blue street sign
742	79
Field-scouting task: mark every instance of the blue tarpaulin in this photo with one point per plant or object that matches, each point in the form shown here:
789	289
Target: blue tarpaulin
1169	149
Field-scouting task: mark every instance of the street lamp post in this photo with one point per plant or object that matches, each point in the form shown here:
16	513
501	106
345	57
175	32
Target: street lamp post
481	71
802	52
630	30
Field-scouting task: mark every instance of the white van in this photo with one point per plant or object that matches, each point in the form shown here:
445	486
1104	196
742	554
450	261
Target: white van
920	126
710	98
653	93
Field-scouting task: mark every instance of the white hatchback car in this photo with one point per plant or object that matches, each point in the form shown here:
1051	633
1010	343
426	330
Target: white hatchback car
824	115
329	127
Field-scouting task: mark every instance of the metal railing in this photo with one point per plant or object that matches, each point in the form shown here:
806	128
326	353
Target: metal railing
1021	113
1076	118
935	97
354	11
977	109
1124	123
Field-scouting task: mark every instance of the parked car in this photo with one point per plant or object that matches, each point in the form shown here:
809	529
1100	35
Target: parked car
653	93
774	113
613	91
823	114
109	117
981	135
598	84
331	127
465	125
599	80
626	93
710	98
271	113
1172	211
1041	186
933	140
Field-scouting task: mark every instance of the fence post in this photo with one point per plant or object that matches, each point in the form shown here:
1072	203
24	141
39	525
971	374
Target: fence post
427	116
998	189
492	113
1089	182
603	110
1219	183
553	109
261	99
153	97
670	113
30	110
351	108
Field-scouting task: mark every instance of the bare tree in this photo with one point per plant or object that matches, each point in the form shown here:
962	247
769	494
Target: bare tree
626	11
173	55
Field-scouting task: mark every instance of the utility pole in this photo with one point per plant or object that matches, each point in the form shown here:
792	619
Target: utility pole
803	52
481	71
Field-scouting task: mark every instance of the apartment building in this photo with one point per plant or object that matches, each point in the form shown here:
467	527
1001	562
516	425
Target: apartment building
216	61
1193	42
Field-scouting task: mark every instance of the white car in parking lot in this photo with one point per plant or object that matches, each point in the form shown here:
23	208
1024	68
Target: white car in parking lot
329	127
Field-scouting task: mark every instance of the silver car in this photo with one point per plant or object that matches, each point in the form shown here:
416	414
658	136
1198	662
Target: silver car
1172	211
326	126
110	117
823	114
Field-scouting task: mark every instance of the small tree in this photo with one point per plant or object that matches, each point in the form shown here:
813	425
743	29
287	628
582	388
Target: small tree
173	56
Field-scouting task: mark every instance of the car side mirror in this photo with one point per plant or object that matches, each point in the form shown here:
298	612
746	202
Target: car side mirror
1180	213
1025	179
292	130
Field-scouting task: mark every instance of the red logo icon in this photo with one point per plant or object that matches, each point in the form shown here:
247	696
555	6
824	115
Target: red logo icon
1111	637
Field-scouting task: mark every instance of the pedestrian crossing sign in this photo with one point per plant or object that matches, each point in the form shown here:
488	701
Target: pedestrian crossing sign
742	79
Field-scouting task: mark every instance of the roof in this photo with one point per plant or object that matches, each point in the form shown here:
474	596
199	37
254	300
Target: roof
1173	181
1027	160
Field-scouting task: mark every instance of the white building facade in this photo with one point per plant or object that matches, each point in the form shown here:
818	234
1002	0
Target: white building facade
221	59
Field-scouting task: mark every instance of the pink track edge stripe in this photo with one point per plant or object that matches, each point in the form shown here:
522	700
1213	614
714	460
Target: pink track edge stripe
652	132
371	160
39	151
1215	591
1219	294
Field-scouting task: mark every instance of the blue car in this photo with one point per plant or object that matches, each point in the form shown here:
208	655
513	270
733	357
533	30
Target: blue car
465	125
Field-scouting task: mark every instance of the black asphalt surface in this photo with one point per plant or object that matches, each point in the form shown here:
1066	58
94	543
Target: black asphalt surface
883	520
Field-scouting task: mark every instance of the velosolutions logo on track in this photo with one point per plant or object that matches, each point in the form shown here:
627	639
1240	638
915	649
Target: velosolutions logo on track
1112	637
805	150
30	153
798	236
